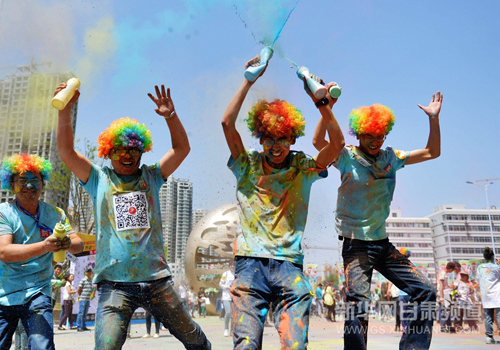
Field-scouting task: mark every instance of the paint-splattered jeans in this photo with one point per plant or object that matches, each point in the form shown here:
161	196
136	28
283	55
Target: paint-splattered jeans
360	258
119	300
36	316
260	282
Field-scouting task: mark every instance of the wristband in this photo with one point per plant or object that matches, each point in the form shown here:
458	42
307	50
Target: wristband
170	115
323	102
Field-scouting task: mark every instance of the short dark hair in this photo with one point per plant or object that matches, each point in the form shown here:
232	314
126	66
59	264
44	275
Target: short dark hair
450	265
488	253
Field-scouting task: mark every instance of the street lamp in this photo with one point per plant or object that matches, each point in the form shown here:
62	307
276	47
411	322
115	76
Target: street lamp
489	182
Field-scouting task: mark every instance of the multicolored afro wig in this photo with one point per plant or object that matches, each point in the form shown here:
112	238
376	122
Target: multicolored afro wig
405	251
374	120
124	132
278	118
20	164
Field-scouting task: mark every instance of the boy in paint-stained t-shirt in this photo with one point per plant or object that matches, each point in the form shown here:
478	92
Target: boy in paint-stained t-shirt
368	175
273	190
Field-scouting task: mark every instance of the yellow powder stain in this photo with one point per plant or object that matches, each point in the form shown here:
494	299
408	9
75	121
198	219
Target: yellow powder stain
297	280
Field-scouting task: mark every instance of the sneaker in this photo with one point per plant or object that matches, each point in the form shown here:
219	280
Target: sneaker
490	340
156	335
226	332
85	329
80	330
146	336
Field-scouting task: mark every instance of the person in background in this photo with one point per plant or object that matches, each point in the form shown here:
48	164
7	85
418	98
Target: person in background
465	302
148	326
319	299
225	283
85	293
329	302
445	287
488	275
68	297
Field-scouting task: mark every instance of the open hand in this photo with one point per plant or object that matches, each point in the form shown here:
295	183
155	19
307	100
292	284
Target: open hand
163	101
434	107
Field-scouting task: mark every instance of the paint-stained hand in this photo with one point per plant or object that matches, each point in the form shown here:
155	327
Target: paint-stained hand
66	243
255	62
52	244
434	107
163	101
73	100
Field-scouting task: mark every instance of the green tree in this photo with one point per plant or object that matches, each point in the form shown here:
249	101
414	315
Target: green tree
78	206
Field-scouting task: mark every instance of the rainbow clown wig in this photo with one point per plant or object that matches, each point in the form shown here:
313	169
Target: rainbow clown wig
124	132
405	251
278	118
373	120
20	164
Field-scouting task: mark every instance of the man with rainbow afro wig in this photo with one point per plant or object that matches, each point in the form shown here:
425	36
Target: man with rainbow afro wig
273	189
368	175
131	270
26	251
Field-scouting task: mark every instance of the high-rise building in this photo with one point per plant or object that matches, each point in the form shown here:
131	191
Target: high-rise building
197	215
28	123
462	234
176	200
414	234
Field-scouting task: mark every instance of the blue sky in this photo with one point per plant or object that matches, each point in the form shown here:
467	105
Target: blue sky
397	53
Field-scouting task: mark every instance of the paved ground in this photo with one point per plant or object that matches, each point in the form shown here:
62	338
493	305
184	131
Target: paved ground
323	335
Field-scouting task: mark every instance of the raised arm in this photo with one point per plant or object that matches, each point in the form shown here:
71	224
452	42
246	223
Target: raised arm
233	138
433	148
180	143
76	162
328	150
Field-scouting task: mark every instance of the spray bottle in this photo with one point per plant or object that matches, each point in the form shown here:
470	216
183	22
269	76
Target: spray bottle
335	91
65	95
318	90
253	72
60	232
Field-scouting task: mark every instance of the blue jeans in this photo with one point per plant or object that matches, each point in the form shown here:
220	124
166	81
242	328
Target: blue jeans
83	309
21	337
119	300
360	258
403	302
36	316
489	314
260	282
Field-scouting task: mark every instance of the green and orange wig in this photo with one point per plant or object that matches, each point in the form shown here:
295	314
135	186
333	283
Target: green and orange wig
374	120
21	164
278	118
124	132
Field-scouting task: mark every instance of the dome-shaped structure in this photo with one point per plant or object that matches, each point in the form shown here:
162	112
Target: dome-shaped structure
209	249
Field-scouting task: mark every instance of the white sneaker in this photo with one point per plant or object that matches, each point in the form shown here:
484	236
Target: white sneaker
226	332
156	335
490	340
146	336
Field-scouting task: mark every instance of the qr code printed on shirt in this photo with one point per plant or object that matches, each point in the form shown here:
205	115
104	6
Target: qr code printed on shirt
131	211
